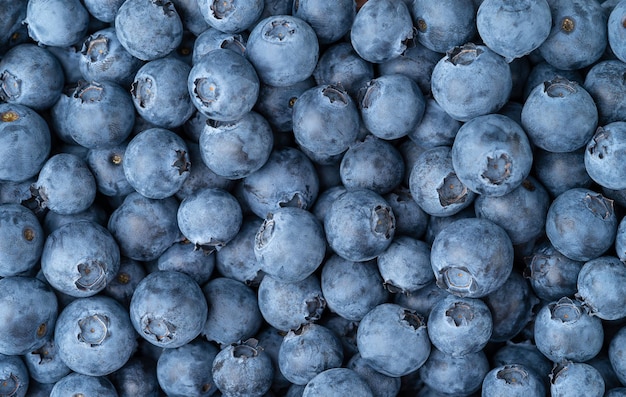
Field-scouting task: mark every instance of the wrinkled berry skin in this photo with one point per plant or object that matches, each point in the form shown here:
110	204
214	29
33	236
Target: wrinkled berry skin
29	307
359	225
600	287
383	335
470	81
491	155
283	49
223	85
25	142
148	29
94	336
472	257
591	224
564	330
381	30
168	309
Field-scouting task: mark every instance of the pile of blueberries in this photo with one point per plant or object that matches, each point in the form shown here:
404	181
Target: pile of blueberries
312	198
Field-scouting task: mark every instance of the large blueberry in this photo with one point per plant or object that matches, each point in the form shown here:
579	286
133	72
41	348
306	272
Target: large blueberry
436	128
337	382
491	155
156	163
212	39
360	225
559	172
405	265
94	336
382	30
569	378
148	29
25	142
416	62
581	224
276	103
168	309
14	378
29	309
45	364
603	154
552	275
223	85
103	10
243	370
442	25
283	49
461	375
184	257
604	81
80	258
616	32
471	80
231	16
106	165
21	242
236	259
330	19
512	380
472	257
600	284
383	335
339	64
58	23
77	384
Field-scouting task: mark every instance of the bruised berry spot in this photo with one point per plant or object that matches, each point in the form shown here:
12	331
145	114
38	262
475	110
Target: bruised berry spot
624	23
206	387
528	185
9	116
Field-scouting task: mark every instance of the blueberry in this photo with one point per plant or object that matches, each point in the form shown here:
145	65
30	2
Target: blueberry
37	85
200	177
88	117
565	330
512	380
156	163
444	24
185	258
491	155
58	23
308	351
209	218
25	143
122	286
191	16
236	149
434	184
569	378
223	85
243	370
471	80
94	336
411	220
340	65
160	93
578	36
29	308
233	311
137	376
14	14
602	152
80	258
616	354
382	337
521	212
459	326
276	103
512	307
45	365
615	31
447	374
421	300
559	172
405	265
330	20
22	240
288	305
148	29
513	29
64	185
382	30
237	260
144	228
373	164
526	354
599	283
552	275
231	16
360	225
212	39
577	207
325	122
381	385
106	165
352	289
543	71
436	127
416	62
103	58
287	179
472	257
604	82
283	49
103	10
77	384
185	370
337	382
291	236
14	377
168	309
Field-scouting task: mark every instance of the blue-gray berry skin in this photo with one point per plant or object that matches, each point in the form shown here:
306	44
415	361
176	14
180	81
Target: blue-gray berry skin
602	153
337	381
600	282
446	373
512	380
77	383
405	265
22	240
14	375
444	24
243	369
568	378
185	370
